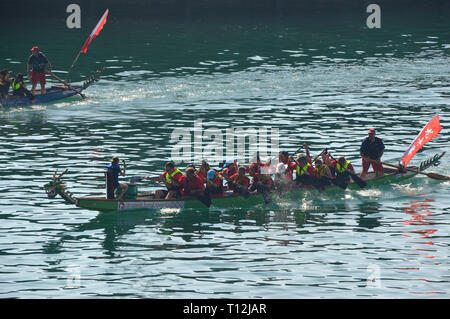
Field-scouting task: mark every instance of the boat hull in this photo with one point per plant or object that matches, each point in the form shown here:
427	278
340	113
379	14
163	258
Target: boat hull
227	201
53	94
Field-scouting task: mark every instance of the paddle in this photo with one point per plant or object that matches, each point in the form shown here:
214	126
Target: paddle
358	180
430	175
66	84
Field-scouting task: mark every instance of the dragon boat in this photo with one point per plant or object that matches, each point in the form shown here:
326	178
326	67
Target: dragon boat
54	93
132	200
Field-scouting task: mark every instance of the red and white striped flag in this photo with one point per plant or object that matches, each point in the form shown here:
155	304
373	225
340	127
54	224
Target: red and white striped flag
430	131
96	31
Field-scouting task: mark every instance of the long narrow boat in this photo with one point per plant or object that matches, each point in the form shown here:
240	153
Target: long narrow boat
226	200
53	94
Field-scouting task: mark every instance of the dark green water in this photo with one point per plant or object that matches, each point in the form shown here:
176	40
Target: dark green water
316	82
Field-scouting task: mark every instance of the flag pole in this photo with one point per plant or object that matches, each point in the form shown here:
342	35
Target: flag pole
91	37
71	67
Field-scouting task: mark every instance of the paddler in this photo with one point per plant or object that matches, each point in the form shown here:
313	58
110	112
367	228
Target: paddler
288	163
322	172
113	172
37	66
171	178
192	185
214	182
304	169
20	89
229	168
202	172
283	178
239	182
5	82
261	182
371	150
343	169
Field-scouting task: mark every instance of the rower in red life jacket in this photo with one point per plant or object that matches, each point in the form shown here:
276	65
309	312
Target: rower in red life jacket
171	178
214	182
202	172
239	182
240	178
230	168
262	182
191	183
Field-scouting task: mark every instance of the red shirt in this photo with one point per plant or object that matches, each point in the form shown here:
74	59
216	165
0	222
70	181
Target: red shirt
217	181
194	183
229	172
243	181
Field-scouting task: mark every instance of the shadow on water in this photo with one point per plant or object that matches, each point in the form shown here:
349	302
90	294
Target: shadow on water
115	225
366	220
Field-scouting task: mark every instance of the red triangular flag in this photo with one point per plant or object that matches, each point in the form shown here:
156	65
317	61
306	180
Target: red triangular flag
96	31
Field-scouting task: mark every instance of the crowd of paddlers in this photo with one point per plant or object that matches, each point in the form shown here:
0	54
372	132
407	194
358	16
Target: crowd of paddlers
262	177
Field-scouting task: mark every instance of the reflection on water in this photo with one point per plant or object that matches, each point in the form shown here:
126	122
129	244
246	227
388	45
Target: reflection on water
421	214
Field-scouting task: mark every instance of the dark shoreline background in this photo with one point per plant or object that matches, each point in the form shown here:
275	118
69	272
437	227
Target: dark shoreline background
219	9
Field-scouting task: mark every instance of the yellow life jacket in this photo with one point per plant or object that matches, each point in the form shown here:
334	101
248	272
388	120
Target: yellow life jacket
320	171
16	86
303	170
168	179
341	169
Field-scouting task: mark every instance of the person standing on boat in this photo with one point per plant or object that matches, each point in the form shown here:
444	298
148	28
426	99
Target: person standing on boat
19	87
5	82
113	172
371	150
37	66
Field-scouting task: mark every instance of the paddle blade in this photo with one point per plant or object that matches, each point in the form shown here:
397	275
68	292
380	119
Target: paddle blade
438	176
361	183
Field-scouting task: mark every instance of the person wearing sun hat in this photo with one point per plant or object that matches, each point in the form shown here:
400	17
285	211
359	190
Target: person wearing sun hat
371	150
37	66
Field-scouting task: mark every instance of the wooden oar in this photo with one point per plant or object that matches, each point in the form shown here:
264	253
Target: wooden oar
430	175
67	84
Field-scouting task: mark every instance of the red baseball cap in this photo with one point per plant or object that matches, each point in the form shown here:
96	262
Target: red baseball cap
34	48
371	131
